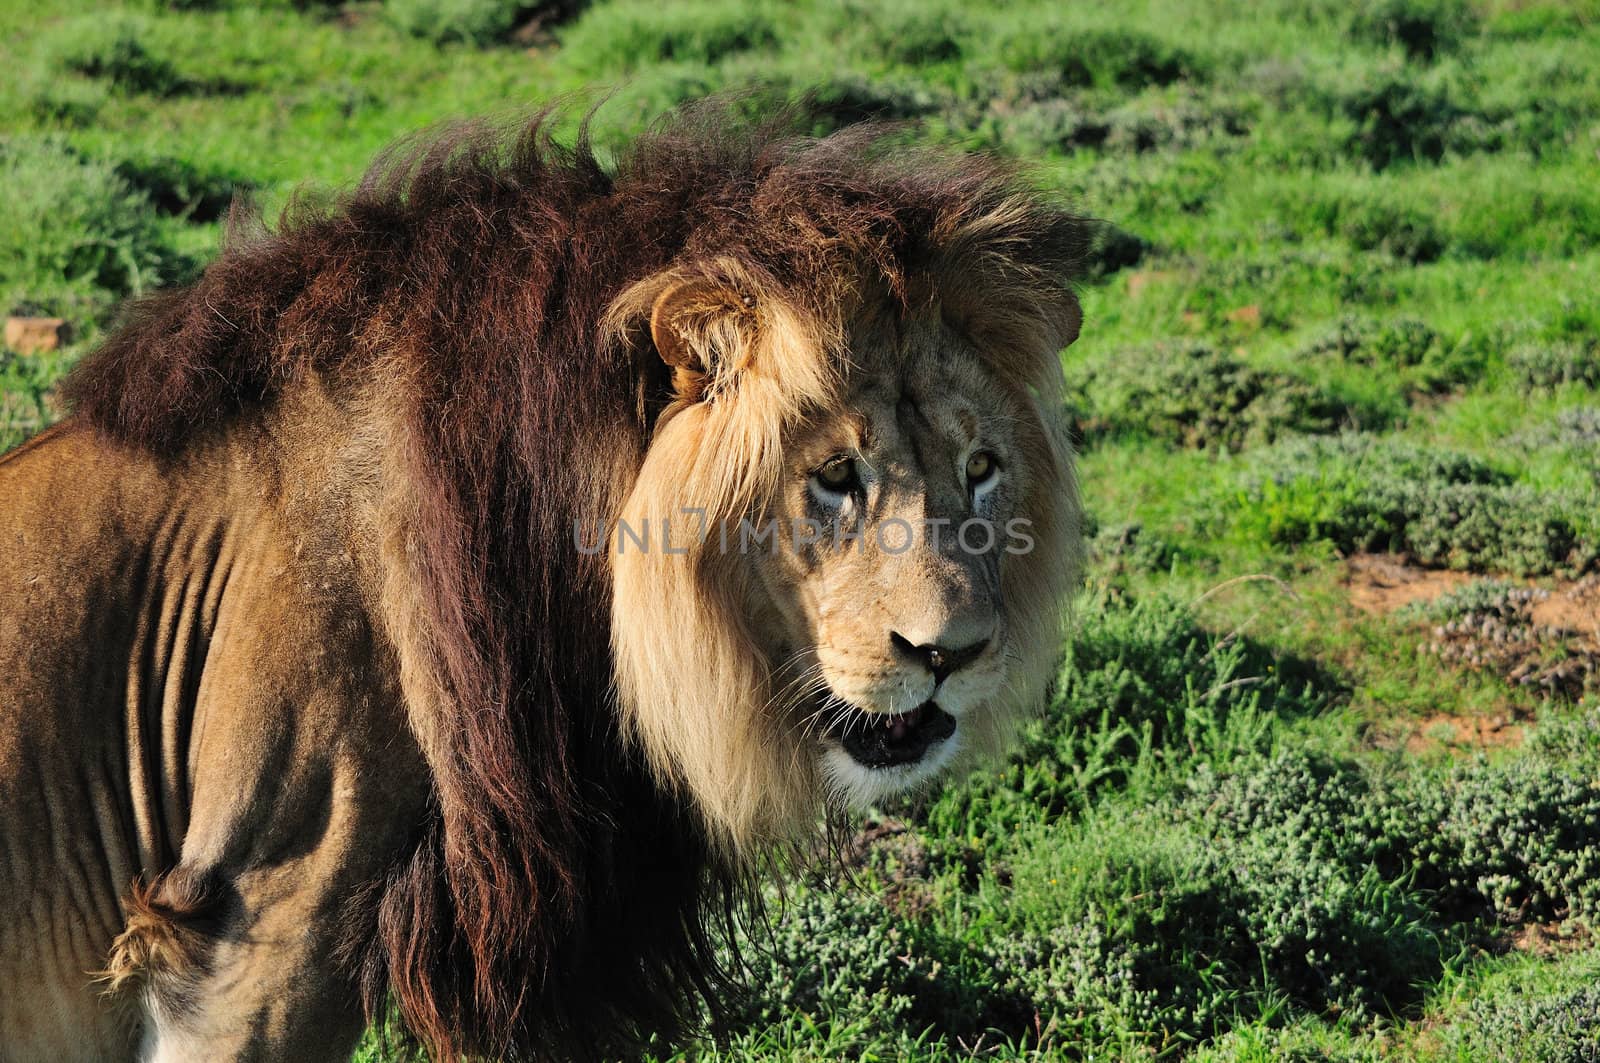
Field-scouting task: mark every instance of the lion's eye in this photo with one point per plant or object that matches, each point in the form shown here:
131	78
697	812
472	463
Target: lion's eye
837	476
980	468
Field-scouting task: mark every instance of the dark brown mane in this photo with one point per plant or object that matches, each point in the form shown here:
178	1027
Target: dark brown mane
558	903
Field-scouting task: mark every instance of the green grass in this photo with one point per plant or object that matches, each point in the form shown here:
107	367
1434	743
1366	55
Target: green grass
1346	302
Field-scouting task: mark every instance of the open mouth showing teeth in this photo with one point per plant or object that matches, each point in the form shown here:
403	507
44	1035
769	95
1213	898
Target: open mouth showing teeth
882	740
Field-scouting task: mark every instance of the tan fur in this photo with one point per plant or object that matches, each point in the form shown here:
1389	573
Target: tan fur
158	941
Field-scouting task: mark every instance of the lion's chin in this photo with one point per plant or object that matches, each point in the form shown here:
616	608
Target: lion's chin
873	758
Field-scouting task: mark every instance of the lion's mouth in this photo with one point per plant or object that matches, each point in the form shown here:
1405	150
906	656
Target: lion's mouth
883	740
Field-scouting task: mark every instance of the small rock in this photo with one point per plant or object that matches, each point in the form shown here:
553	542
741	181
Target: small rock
31	335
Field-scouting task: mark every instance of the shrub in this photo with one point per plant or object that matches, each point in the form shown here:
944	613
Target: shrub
1257	886
1516	841
1045	114
1130	546
625	36
1575	429
1083	981
1490	624
1142	940
1516	529
1423	28
1180	918
1279	282
1569	738
74	237
1443	508
915	34
1404	345
1293	878
1179	124
1103	58
1547	366
1528	1027
1406	232
837	101
1399	118
1055	123
1483	597
26	388
845	954
467	21
180	187
1332	933
71	102
116	50
1196	396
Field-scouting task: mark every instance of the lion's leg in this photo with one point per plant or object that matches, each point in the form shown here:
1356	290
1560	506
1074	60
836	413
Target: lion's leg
235	971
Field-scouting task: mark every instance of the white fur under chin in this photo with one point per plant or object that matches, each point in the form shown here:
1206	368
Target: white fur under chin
858	787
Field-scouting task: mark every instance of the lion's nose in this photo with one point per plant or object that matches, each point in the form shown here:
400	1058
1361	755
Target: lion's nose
940	660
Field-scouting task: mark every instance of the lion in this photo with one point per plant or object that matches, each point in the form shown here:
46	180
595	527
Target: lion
457	601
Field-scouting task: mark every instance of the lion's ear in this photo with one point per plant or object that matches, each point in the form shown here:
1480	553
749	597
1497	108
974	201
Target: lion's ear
705	331
667	318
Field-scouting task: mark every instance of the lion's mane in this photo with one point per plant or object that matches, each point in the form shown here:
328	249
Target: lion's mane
562	897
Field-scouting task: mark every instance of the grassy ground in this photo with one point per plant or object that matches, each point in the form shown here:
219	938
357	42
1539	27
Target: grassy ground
1313	785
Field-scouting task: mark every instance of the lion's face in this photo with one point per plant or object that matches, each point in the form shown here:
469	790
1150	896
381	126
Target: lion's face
888	534
899	508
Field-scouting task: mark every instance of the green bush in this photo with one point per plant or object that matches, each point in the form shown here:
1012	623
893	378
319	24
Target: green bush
1044	113
183	188
1406	232
840	99
1295	878
1281	281
1141	937
1406	346
910	33
1162	924
1574	429
116	49
1572	739
1518	841
1332	929
1196	396
1422	28
1447	509
1547	366
1528	1027
1108	58
1483	597
68	101
845	954
1130	546
74	237
1399	118
26	385
627	35
477	22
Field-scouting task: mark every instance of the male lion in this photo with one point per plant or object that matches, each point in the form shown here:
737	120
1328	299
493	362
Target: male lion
334	668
